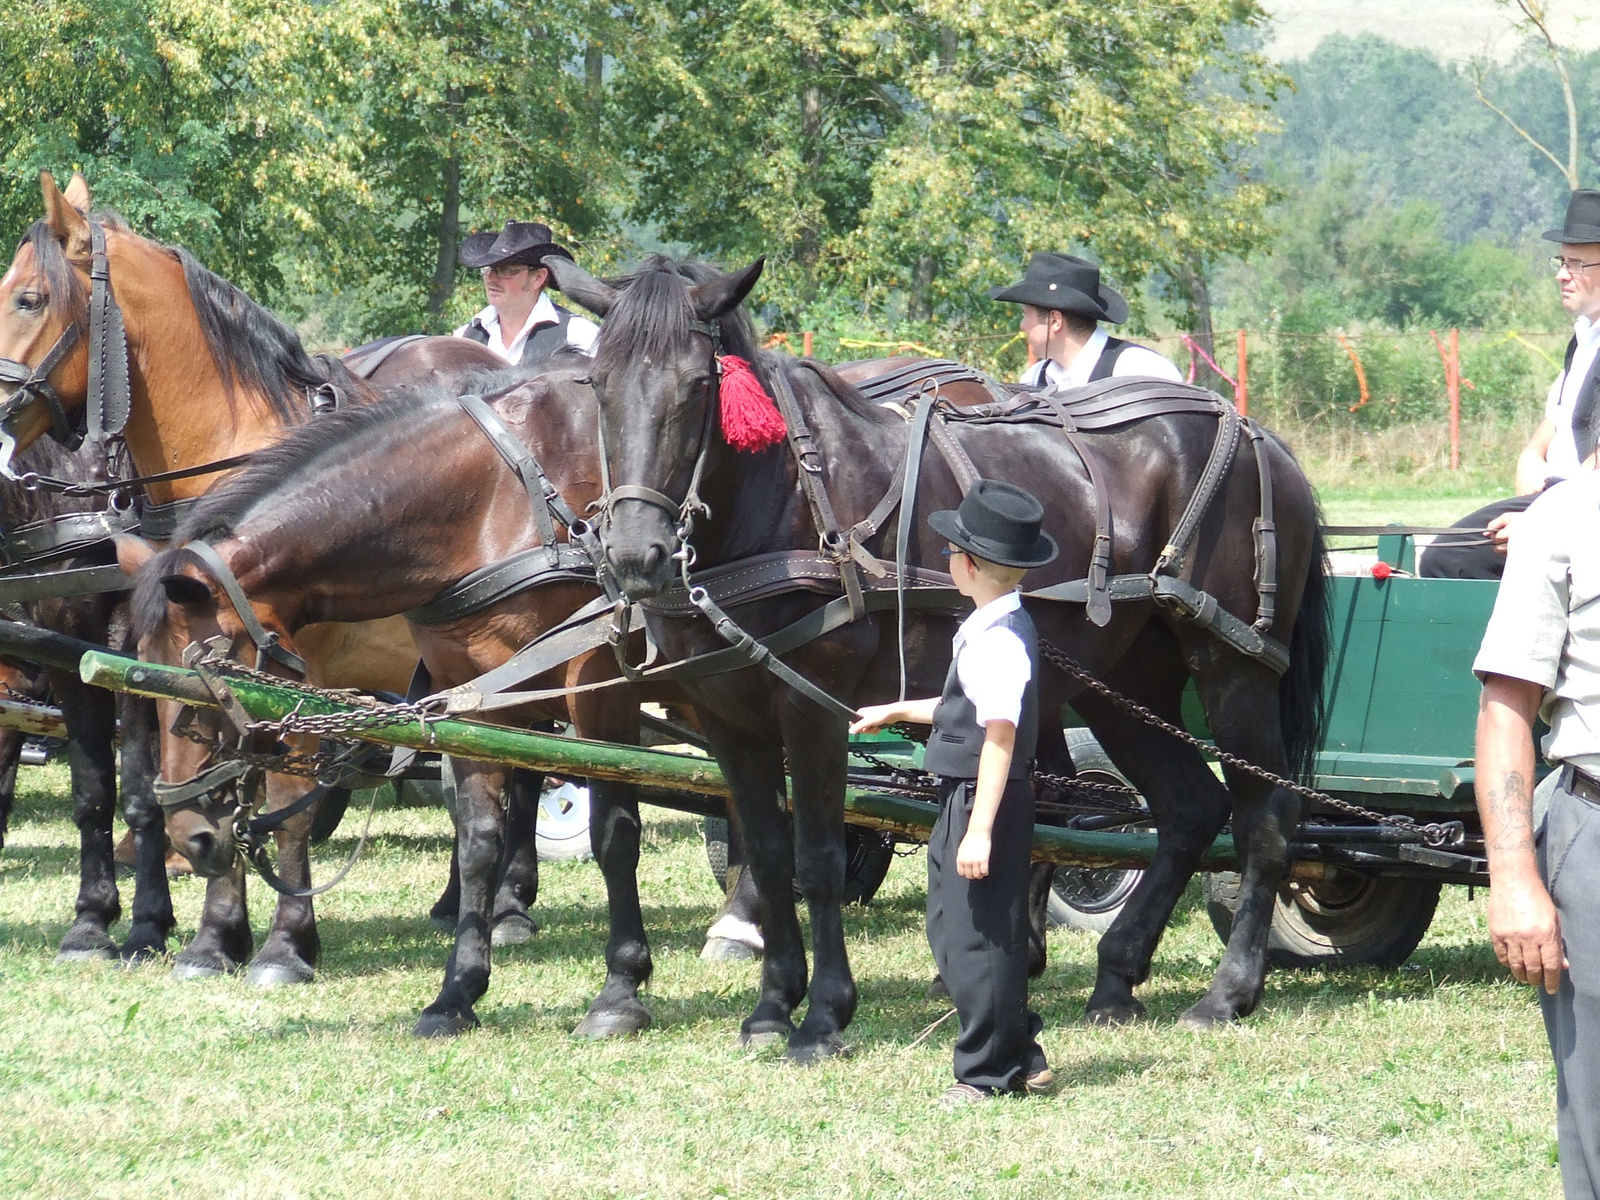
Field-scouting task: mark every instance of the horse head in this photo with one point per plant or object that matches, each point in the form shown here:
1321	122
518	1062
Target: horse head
178	604
655	375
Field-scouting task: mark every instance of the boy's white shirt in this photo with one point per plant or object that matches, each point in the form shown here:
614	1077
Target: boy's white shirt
992	663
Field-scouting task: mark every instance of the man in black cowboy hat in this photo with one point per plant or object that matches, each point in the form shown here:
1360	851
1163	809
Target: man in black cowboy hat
1063	302
521	324
1564	443
982	748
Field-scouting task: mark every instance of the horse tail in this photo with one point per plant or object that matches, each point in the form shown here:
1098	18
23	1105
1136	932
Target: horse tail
1302	710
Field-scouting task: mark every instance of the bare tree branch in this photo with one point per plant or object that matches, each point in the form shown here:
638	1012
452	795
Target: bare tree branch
1536	14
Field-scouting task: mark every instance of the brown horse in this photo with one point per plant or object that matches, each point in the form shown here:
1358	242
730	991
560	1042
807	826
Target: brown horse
212	376
376	511
656	370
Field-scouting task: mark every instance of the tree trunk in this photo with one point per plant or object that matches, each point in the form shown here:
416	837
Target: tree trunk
443	285
809	250
594	64
919	307
1197	304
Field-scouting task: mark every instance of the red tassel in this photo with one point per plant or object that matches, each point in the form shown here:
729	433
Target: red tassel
750	420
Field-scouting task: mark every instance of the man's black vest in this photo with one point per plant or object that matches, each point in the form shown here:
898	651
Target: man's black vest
957	738
1108	359
543	341
1586	409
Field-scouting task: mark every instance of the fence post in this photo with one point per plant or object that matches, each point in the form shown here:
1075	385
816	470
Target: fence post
1453	386
806	342
1243	390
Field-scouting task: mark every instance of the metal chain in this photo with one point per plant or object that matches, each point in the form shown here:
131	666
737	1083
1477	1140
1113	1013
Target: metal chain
1434	834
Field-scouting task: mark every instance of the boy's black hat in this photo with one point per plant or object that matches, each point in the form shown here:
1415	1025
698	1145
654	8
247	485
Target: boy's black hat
1066	283
1583	220
520	242
998	522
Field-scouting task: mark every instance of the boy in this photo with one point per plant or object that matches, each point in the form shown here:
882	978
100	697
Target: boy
984	729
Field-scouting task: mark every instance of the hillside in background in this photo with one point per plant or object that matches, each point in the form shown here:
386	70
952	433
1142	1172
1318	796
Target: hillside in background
1451	29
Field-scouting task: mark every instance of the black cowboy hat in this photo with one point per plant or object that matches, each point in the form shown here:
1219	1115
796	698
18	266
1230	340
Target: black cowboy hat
1583	220
520	242
1066	283
998	522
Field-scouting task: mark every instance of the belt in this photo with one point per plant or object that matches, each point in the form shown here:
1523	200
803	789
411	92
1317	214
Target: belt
1583	786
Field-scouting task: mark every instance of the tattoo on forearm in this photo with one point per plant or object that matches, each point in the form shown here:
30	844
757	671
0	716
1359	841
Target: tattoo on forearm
1511	814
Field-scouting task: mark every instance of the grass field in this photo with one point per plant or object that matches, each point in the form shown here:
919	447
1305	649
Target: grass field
1430	1081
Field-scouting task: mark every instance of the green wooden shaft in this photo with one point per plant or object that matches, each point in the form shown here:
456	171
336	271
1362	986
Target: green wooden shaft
605	760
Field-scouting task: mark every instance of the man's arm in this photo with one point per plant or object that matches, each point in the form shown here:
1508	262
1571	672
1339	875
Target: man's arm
1523	924
1532	467
994	766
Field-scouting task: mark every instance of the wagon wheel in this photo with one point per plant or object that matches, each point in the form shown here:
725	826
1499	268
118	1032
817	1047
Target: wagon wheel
1090	898
1348	919
868	854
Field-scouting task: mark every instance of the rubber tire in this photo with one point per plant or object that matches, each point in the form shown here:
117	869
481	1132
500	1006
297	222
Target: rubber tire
868	854
1363	921
1086	898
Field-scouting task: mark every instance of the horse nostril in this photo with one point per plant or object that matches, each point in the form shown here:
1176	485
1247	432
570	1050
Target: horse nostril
199	846
654	557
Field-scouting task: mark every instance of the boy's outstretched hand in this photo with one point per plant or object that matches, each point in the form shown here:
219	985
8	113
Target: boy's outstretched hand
873	718
972	856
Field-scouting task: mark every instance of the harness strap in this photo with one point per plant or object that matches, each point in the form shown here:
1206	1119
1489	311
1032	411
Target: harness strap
522	463
1098	602
77	581
1266	531
267	644
63	537
762	656
110	397
1223	450
173	796
911	472
500	580
954	454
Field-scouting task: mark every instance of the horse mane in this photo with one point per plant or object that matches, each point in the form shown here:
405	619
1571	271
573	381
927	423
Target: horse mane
252	348
60	279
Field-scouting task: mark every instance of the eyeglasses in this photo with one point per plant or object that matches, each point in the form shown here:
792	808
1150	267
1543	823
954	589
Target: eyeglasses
950	551
504	270
1572	266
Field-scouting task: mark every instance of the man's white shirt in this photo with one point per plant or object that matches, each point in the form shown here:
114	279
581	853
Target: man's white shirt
581	332
992	663
1135	360
1561	459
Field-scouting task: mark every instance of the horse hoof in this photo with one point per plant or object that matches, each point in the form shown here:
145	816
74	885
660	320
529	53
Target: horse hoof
513	929
444	1025
1200	1020
622	1021
83	954
765	1032
278	974
937	990
810	1051
1116	1014
722	949
202	966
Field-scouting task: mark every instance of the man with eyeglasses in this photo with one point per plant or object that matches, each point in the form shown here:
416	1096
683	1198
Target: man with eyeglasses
1565	442
521	324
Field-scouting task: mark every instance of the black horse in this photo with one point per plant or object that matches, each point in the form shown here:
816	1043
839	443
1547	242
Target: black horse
92	726
656	372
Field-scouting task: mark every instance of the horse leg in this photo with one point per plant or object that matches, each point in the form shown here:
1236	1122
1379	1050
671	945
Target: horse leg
818	781
446	909
754	771
519	867
614	833
290	953
10	757
736	932
1244	721
480	832
91	755
153	921
223	941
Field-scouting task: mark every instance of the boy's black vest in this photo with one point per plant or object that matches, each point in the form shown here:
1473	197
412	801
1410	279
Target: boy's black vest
543	342
957	738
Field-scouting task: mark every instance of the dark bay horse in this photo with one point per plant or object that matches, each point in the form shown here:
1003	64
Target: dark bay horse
656	371
374	512
92	726
212	375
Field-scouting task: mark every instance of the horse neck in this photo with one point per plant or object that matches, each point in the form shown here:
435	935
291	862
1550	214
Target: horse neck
181	413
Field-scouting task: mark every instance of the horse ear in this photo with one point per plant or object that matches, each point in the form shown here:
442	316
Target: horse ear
723	294
68	224
133	552
77	193
577	284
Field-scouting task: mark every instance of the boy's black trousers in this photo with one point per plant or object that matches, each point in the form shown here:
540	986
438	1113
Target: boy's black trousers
978	929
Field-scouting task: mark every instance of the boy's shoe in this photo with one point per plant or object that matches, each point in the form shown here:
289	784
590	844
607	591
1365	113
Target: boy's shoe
958	1095
1040	1083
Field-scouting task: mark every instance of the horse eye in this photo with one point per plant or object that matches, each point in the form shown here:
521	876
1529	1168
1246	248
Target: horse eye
30	301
